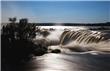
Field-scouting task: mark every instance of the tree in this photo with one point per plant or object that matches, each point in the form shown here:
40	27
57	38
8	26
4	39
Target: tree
26	30
12	20
15	39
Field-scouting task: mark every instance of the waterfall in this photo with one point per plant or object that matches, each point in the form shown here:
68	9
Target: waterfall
81	36
76	39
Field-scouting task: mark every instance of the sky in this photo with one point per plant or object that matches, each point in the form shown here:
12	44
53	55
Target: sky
57	11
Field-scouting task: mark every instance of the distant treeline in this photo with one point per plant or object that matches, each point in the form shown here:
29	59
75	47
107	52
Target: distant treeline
74	24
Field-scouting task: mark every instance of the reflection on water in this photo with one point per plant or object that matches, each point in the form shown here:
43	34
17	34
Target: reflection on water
65	62
54	62
74	62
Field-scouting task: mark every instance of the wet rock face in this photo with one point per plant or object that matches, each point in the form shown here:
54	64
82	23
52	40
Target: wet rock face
77	49
56	51
40	50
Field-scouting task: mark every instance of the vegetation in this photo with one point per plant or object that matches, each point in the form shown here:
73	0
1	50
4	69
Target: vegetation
75	24
16	40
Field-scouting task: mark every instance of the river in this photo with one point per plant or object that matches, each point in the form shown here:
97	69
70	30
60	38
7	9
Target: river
94	60
64	62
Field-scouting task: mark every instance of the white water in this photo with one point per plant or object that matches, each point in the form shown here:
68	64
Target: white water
56	34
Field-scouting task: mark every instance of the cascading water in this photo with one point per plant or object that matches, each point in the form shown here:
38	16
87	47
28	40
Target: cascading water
85	40
77	38
81	36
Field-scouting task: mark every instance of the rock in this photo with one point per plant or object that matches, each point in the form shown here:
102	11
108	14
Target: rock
56	51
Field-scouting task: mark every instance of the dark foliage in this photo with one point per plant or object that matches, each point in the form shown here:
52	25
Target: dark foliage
75	24
16	41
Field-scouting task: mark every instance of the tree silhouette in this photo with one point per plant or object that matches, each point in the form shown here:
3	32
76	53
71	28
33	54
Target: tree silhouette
26	30
12	20
17	41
